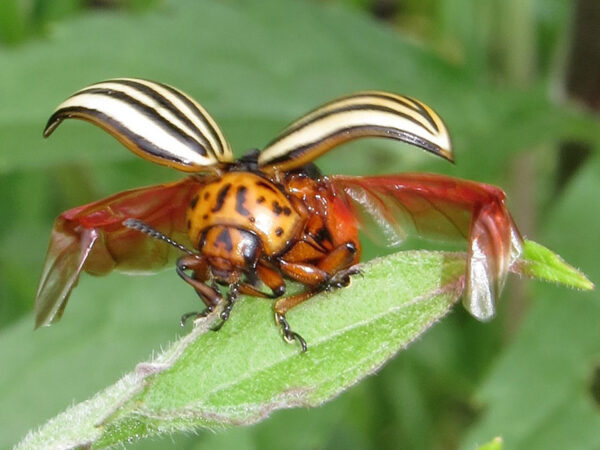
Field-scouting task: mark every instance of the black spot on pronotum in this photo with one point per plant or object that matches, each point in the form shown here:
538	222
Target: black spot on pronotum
205	216
221	197
224	238
240	198
279	231
287	211
189	224
266	186
194	201
277	207
260	199
206	195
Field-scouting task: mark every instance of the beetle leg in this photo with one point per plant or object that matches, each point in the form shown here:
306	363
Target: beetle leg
240	288
288	334
336	265
232	294
272	278
329	272
305	251
304	273
209	295
332	271
248	289
283	305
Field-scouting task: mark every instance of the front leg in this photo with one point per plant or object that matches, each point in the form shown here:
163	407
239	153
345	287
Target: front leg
209	295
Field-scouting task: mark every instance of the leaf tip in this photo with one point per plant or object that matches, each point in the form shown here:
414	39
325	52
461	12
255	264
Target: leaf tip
539	262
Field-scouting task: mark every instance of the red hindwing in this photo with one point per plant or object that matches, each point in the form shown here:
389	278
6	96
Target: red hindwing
442	208
92	238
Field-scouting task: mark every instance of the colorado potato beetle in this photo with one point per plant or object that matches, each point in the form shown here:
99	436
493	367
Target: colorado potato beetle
247	225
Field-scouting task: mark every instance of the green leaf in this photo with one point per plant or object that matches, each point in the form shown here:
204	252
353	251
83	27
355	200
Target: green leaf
245	371
539	262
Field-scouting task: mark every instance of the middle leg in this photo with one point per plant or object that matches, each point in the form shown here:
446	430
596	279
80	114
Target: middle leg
332	271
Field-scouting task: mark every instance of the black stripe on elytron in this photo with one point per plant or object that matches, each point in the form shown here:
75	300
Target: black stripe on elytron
222	194
141	142
164	102
374	132
401	99
201	115
404	101
410	103
149	112
341	110
240	198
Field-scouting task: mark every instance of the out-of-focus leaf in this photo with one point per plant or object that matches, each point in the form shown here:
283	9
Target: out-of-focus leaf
494	444
13	21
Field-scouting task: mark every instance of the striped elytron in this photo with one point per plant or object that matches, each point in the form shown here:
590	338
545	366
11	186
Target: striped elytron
246	225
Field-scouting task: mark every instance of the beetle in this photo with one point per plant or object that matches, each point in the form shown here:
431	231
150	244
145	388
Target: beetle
245	226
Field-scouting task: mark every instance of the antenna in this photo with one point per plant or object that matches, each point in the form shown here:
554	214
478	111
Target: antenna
143	227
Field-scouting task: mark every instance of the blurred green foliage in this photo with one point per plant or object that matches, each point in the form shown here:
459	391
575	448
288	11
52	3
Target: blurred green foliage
256	66
480	36
23	19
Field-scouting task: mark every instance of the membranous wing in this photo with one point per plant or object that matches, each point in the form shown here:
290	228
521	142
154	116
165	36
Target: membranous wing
154	120
364	114
443	208
92	238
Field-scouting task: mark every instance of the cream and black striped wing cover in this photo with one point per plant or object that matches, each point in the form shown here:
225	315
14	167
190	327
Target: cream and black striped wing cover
154	120
364	114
